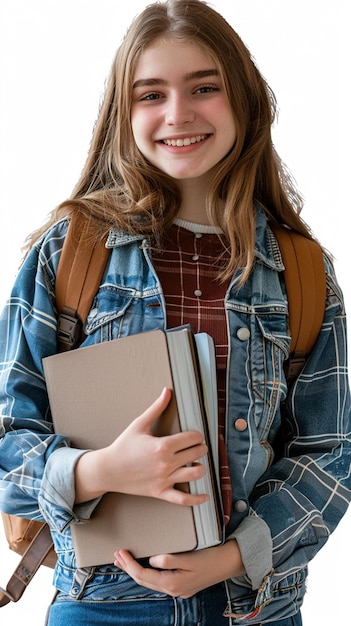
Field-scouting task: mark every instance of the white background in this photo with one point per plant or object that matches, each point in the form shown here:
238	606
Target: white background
54	58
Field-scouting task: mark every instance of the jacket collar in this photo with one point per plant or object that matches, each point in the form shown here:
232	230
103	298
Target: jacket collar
117	237
266	246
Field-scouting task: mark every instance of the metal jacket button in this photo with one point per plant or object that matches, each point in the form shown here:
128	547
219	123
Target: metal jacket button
240	506
240	424
243	334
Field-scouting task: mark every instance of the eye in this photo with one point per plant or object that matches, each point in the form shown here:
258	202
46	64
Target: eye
150	96
207	89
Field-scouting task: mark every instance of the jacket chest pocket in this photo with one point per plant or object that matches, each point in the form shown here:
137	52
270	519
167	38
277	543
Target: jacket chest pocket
259	346
118	312
268	351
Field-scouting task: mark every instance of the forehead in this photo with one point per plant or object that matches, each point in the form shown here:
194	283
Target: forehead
171	57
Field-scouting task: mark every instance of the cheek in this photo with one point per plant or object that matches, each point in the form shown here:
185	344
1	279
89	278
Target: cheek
224	122
229	131
139	128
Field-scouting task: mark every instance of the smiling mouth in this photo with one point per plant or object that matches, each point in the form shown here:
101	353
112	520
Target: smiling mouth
186	141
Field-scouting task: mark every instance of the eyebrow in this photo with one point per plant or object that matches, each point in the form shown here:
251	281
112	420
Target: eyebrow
149	82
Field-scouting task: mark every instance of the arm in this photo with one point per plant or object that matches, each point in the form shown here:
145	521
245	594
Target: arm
28	333
299	500
307	489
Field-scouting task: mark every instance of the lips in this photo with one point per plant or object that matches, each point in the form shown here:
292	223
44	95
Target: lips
179	142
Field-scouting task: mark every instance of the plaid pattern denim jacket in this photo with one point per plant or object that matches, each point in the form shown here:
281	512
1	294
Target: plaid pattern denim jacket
287	498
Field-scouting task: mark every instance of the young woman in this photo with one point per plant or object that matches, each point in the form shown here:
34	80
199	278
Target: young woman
183	178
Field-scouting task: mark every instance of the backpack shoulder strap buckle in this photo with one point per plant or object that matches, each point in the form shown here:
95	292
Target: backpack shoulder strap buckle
69	329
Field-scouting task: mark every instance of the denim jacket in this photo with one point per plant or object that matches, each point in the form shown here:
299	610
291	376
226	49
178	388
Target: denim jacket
289	493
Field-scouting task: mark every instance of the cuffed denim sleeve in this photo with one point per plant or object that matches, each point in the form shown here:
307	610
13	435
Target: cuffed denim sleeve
57	494
255	544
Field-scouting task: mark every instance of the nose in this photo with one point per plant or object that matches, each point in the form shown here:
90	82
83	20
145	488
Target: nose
179	111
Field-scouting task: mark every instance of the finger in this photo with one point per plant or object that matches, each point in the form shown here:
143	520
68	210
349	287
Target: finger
187	440
125	561
146	420
191	454
175	496
178	441
188	473
147	577
168	561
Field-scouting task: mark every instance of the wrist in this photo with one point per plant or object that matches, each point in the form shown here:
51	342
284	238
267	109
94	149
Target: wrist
230	556
89	482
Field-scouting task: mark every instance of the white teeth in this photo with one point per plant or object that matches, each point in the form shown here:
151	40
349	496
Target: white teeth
184	142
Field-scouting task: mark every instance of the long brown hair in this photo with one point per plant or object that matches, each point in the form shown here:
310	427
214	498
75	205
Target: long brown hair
118	187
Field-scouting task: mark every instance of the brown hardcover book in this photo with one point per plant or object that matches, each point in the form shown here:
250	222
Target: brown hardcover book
95	392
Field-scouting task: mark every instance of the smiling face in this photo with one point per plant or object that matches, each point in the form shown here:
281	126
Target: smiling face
181	118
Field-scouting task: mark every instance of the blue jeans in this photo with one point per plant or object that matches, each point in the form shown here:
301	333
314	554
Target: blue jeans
204	609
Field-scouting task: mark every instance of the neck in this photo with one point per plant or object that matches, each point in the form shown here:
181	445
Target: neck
193	205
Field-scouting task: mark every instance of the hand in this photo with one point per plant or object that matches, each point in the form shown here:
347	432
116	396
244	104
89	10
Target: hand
139	463
183	575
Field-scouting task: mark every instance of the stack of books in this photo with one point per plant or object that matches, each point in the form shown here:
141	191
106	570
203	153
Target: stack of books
96	391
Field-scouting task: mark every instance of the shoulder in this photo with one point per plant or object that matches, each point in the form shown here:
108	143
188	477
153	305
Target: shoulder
335	296
39	266
53	238
46	251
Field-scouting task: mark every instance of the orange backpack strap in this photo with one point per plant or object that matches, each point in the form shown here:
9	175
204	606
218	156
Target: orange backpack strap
305	281
79	274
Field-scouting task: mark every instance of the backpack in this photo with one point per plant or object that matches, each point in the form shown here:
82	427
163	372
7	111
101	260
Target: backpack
80	270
